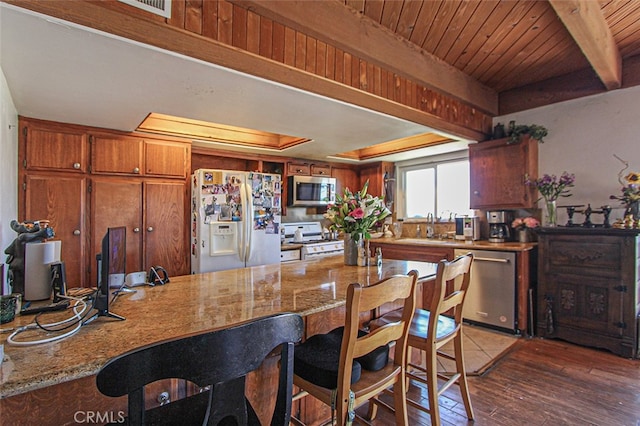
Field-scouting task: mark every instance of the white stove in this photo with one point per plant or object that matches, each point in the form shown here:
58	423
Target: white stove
313	243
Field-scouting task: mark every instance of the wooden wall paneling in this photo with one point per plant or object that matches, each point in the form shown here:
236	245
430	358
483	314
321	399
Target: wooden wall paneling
225	23
377	80
300	52
231	21
331	61
254	32
355	73
310	55
266	41
342	76
289	46
321	58
210	19
239	27
278	43
348	69
193	16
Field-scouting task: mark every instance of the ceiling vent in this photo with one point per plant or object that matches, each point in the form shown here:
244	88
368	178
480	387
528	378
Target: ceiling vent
159	7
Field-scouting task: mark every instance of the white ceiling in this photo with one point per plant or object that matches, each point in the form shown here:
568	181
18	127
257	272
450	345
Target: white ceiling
63	72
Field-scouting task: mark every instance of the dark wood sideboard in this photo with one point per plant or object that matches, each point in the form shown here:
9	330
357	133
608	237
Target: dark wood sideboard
588	287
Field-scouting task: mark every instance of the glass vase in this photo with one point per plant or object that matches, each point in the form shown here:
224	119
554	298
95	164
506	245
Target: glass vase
551	213
352	247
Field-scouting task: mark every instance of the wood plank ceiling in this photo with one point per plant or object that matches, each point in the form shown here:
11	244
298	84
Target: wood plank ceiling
509	45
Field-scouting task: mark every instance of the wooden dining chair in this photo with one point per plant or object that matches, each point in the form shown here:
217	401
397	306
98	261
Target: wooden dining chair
219	360
347	367
431	329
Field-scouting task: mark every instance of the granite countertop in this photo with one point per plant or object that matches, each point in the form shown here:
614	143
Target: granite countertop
456	244
188	304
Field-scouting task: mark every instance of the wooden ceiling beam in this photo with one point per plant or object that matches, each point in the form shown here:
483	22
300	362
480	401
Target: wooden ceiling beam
333	22
586	24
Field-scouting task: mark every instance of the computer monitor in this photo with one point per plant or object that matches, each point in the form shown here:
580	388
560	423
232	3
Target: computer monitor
111	269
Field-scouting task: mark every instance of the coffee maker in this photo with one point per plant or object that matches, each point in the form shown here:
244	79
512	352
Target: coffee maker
499	225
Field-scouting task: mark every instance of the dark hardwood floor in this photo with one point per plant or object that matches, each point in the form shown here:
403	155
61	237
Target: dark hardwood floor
543	382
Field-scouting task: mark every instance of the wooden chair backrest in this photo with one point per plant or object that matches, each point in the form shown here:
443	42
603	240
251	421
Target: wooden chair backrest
220	359
443	302
362	299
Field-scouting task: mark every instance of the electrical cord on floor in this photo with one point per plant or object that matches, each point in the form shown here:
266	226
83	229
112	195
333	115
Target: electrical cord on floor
80	310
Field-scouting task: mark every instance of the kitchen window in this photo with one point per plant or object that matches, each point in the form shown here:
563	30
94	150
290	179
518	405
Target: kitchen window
436	185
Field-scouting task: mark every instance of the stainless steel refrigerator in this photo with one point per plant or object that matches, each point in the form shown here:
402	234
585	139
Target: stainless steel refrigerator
235	219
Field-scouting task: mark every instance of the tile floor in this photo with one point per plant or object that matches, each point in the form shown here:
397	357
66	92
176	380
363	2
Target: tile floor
482	347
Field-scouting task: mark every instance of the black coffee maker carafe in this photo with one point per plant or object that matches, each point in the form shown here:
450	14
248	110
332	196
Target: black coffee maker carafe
499	228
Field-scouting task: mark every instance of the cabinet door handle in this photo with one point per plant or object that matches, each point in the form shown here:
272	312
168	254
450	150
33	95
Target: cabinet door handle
136	230
476	192
136	170
76	166
150	229
76	232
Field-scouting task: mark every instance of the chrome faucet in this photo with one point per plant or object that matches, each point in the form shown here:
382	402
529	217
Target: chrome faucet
430	228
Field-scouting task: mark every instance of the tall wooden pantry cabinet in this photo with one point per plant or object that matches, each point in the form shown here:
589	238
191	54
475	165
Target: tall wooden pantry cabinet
84	180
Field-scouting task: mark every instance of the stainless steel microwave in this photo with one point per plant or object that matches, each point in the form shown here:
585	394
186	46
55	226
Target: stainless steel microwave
311	191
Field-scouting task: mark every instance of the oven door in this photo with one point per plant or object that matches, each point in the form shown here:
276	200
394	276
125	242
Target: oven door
290	256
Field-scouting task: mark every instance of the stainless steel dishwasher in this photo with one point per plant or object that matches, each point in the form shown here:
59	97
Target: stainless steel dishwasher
492	293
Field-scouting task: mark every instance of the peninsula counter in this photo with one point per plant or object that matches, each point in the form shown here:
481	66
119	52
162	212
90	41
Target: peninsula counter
49	383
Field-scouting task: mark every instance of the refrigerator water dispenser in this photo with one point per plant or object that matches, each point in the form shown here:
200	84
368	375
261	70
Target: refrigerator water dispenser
224	238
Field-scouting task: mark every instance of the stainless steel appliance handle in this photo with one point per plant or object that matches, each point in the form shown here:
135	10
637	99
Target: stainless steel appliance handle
490	259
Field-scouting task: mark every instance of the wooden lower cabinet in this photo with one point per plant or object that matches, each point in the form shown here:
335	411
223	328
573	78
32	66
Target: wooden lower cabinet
588	287
166	240
153	213
61	200
116	203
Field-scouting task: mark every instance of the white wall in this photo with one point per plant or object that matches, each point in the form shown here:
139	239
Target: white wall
584	134
9	169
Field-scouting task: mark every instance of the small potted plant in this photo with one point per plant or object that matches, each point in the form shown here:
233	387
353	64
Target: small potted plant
523	226
534	131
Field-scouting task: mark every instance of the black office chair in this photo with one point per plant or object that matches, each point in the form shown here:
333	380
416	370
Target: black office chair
219	359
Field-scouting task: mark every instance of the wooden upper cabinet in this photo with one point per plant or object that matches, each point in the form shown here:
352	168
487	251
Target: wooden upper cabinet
298	169
114	154
47	146
133	155
498	171
320	170
345	178
169	159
